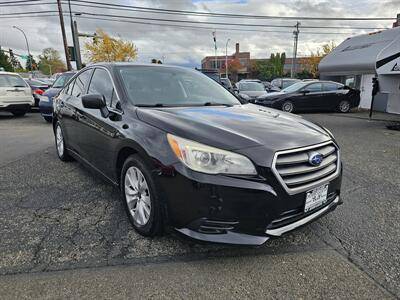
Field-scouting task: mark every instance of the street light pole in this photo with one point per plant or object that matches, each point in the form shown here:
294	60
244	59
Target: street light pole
27	46
226	58
296	39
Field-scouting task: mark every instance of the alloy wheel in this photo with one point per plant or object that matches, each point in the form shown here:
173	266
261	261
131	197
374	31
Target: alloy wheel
344	106
137	196
287	107
59	141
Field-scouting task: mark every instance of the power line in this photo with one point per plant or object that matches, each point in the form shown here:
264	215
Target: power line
208	28
223	23
28	4
209	14
95	16
175	25
18	1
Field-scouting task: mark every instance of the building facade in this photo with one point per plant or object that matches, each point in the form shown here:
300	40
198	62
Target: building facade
243	64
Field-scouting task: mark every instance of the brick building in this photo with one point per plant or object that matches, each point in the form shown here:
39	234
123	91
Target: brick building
218	62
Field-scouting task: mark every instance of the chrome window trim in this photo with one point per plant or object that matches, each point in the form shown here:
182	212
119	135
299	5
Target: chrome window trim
109	74
292	191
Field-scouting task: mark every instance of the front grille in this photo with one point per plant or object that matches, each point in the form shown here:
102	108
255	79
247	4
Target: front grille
296	174
293	215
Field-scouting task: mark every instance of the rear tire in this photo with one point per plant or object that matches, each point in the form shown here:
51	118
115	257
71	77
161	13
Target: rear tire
141	197
48	119
288	106
344	106
62	151
19	113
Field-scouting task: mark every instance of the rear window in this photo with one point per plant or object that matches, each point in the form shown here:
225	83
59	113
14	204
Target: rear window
11	81
330	86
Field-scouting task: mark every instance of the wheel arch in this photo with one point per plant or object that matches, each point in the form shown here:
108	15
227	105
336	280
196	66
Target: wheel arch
126	150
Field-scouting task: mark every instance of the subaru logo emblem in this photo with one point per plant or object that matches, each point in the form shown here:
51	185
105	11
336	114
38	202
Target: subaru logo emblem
315	158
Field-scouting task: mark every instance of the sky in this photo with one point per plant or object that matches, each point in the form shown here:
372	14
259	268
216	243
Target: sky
187	46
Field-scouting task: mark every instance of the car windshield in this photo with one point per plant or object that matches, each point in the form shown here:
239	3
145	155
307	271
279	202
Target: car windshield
171	86
295	87
62	80
11	81
251	86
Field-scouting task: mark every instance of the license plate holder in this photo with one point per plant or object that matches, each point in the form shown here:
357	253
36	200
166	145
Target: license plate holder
316	197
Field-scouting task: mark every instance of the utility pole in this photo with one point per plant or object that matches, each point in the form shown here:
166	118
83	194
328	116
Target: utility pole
296	39
215	47
75	38
226	58
77	47
60	13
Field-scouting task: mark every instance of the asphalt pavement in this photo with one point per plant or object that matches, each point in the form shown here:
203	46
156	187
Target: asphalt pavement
64	232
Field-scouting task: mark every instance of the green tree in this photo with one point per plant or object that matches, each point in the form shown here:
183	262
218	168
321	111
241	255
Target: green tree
270	69
50	62
5	62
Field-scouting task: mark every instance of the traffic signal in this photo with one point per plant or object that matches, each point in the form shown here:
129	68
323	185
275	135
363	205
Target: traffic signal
95	38
71	53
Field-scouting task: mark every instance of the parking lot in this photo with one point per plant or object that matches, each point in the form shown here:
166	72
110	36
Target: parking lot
62	228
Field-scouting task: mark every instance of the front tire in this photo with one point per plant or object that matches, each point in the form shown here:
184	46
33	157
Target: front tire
62	151
288	106
141	197
344	106
48	119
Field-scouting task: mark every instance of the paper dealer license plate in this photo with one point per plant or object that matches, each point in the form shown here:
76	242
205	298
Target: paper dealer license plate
316	197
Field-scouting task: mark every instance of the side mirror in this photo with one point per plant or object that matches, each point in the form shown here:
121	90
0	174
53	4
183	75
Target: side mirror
305	92
95	101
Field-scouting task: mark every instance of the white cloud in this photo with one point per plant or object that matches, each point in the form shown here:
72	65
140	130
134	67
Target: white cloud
187	46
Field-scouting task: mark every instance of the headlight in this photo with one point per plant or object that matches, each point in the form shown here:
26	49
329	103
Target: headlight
206	159
44	98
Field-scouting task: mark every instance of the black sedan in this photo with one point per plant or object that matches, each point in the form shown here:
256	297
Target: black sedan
185	153
250	89
312	96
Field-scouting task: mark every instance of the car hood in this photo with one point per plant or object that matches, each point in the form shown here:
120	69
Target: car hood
254	94
236	127
51	92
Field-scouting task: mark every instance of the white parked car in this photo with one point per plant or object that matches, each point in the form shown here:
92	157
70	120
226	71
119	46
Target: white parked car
15	94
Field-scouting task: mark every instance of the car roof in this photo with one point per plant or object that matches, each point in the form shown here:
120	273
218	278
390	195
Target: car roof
8	73
123	64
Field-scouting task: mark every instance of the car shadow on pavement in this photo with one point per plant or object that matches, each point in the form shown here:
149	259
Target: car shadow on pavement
61	216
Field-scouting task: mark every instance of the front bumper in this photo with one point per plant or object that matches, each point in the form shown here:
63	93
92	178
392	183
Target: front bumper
233	210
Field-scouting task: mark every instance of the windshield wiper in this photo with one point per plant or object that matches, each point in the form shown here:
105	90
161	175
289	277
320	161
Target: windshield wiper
216	104
150	105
